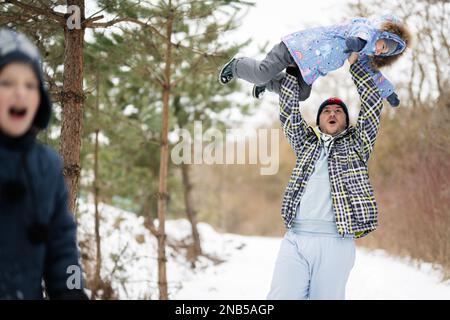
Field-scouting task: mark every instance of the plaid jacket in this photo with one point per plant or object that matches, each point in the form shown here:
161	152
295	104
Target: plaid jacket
352	194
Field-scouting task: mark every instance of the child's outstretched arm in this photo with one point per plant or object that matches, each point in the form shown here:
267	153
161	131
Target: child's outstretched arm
294	126
354	44
369	116
387	89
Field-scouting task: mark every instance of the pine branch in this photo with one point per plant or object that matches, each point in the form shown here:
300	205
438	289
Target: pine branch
91	24
47	12
92	19
197	51
155	76
193	70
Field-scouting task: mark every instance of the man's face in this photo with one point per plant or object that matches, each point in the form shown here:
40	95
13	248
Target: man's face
19	98
381	47
332	119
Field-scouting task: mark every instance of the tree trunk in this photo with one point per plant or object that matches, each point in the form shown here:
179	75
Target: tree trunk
191	214
98	265
164	162
72	106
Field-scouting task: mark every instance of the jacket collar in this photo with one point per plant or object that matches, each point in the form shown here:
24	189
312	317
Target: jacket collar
320	135
21	143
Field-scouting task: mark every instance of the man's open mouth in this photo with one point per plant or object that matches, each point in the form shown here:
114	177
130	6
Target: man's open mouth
17	112
331	122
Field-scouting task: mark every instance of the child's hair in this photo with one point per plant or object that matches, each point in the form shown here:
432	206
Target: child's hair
402	31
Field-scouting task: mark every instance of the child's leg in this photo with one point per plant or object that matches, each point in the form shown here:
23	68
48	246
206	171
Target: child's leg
274	85
261	72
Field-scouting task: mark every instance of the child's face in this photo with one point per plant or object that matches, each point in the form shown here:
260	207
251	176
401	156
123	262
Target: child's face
19	98
381	47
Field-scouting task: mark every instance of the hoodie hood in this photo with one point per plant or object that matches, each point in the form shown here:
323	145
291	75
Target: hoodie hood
401	45
394	31
15	47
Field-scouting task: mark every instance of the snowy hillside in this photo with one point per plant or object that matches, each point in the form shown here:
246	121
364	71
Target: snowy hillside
130	252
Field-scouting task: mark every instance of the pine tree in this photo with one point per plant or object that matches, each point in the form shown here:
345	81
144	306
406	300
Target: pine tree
172	26
176	44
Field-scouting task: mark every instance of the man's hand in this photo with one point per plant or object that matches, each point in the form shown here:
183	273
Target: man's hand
353	58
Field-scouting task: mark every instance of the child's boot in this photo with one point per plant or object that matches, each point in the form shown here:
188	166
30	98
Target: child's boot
226	74
258	91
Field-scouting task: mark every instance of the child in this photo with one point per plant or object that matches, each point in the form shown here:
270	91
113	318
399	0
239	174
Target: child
37	232
380	41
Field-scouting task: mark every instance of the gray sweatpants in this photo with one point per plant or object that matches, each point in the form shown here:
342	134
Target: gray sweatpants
312	267
268	72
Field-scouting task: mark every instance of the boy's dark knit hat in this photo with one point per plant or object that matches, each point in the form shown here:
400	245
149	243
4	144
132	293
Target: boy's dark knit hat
333	101
15	47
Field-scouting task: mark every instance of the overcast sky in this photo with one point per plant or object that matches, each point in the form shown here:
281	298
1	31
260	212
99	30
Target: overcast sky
269	20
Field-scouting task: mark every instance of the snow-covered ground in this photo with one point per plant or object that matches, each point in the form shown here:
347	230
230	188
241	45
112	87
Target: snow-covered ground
130	263
376	275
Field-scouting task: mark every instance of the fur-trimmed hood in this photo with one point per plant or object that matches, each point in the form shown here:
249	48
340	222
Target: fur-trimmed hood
397	32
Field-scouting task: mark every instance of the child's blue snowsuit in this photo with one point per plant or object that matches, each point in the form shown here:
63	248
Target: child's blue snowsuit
318	51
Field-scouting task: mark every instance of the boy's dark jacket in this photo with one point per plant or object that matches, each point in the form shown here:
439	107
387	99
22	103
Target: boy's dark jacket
37	231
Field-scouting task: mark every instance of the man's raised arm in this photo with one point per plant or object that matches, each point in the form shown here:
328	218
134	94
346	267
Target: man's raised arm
294	126
371	105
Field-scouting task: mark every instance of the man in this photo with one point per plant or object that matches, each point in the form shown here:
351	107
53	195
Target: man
329	200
